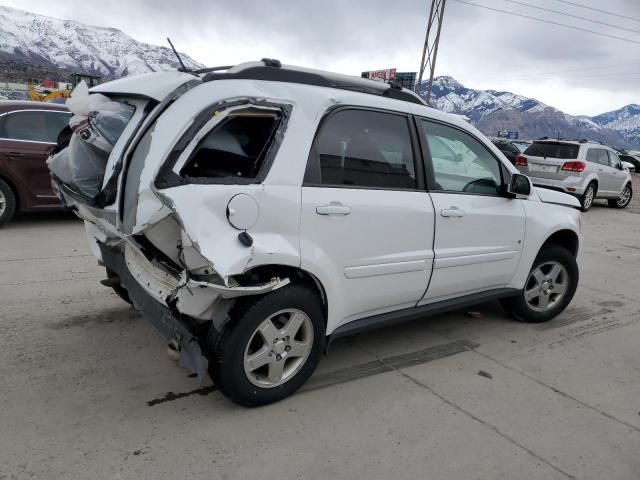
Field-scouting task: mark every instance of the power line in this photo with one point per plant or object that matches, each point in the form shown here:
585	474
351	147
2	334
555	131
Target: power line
544	75
550	22
572	16
627	17
537	73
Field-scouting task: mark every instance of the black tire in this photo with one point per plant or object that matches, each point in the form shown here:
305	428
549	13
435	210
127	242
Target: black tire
226	349
8	207
585	203
614	203
119	289
518	307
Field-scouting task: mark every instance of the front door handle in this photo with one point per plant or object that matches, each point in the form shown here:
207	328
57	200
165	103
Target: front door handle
452	212
333	209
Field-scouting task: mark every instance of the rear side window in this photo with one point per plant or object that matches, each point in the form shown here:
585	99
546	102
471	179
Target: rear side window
598	155
565	151
34	126
363	148
236	147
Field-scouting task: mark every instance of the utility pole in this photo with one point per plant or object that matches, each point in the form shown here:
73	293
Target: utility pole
431	40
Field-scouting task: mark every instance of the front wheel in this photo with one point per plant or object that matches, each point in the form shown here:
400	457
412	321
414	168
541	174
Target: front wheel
624	199
268	349
549	288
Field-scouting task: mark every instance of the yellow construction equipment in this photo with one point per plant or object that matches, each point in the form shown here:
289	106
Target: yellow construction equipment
47	91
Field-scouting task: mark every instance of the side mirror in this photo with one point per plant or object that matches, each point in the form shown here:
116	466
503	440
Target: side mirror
519	186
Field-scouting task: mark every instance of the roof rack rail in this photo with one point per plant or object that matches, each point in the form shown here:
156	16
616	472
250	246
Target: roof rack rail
567	139
211	69
272	70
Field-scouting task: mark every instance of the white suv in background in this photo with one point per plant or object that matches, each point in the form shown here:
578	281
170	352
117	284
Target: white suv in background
585	169
254	214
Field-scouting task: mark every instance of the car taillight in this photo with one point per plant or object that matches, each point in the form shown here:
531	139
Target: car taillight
574	166
521	161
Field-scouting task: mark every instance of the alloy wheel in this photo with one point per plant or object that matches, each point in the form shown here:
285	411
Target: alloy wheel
546	286
588	198
624	197
278	348
3	203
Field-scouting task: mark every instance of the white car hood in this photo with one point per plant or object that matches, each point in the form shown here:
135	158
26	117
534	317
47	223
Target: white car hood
551	196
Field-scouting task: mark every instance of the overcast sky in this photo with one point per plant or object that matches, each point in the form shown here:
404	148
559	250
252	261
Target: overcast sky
576	71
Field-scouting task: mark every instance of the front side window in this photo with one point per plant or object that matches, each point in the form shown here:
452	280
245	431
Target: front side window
363	148
614	160
236	147
34	126
460	162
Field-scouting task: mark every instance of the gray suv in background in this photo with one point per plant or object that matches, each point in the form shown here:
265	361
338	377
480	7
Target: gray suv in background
585	169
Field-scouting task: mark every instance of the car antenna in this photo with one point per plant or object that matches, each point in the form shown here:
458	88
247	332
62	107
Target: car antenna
183	69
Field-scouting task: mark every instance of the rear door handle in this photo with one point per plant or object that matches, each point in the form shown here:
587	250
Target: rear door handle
452	212
333	209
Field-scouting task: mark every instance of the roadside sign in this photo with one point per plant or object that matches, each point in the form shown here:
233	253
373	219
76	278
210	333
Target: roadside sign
406	80
388	75
511	135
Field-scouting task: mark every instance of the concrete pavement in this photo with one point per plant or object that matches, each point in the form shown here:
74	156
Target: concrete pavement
87	390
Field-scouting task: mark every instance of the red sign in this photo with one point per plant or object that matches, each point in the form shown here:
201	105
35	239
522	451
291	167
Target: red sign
388	75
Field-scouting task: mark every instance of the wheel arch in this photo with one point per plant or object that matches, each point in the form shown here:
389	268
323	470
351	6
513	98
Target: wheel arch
565	238
264	273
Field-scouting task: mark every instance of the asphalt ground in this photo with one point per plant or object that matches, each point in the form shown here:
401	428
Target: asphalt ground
88	391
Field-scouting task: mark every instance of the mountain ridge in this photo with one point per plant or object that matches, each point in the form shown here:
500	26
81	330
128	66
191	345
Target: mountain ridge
30	41
494	110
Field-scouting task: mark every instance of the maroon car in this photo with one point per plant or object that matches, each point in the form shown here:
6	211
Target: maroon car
28	130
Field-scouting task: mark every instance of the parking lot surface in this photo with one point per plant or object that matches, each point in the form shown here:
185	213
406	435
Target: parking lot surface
88	391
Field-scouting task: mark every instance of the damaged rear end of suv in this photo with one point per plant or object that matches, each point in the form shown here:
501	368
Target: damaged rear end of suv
176	209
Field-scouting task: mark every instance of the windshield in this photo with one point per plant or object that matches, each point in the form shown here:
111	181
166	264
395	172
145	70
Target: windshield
565	151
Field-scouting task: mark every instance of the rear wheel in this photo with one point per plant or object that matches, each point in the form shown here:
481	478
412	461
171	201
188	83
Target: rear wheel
624	199
7	202
587	197
117	287
549	288
268	349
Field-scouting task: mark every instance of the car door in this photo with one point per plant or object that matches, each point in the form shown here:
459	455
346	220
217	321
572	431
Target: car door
27	136
479	231
600	164
366	221
617	174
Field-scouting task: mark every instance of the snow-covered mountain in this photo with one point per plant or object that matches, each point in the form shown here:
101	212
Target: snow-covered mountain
53	44
625	120
492	110
451	96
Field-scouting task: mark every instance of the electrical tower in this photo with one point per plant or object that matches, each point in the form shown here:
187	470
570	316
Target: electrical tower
431	40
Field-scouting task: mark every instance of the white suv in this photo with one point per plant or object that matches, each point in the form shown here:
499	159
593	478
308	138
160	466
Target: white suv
254	214
585	169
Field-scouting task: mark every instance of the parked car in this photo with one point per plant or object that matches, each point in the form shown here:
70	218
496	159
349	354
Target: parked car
588	170
28	130
510	149
633	160
255	214
629	166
